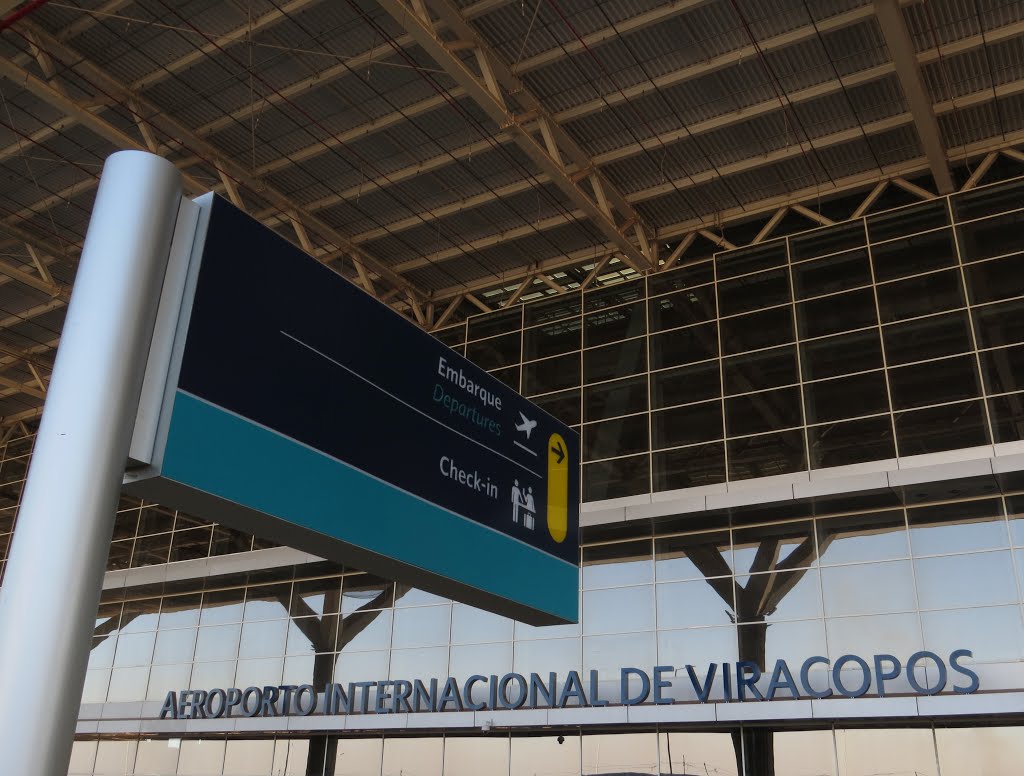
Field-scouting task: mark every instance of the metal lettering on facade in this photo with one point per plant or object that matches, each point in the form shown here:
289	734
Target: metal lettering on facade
739	682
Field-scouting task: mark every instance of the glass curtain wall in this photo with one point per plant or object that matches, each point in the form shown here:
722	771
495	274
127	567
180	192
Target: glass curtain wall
896	334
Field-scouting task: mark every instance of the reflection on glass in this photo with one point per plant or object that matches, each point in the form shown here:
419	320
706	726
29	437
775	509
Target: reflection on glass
200	757
616	610
790	595
992	751
895	634
868	589
546	755
544	655
975	579
622	753
872	536
358	756
248	757
871	752
421	626
413	757
697	603
476	756
804	752
698	753
992	633
688	467
614	565
957	527
484	659
471	625
693	556
115	758
219	642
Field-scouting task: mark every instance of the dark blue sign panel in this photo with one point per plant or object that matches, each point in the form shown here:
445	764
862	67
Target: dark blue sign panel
306	411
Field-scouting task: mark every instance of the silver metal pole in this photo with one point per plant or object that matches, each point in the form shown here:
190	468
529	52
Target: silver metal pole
58	556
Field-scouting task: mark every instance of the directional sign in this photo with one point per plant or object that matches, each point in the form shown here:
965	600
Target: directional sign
299	408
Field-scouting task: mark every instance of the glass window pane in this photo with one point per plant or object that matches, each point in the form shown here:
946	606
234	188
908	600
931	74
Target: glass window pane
765	411
619	397
509	376
620	753
452	337
1007	414
553	308
991	281
614	323
766	455
803	752
611	296
116	758
842	354
693	556
489	324
913	255
920	295
253	757
687	425
892	634
476	756
870	588
684	346
546	755
218	642
754	331
772	547
495	352
986	200
993	236
421	626
551	340
201	757
1002	370
471	625
941	428
618	610
934	382
694	305
926	338
612	361
695	274
620	563
543	655
753	292
358	756
975	579
836	313
564	406
1000	324
994	634
870	752
789	595
960	526
697	603
413	756
992	751
760	370
821	242
864	537
617	478
553	374
841	272
856	441
685	384
908	220
611	438
689	467
745	260
846	397
700	753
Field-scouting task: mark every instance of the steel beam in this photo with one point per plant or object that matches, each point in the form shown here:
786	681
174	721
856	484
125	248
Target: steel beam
172	128
489	89
901	49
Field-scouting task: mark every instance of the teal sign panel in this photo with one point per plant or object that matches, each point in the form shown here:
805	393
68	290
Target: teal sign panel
300	409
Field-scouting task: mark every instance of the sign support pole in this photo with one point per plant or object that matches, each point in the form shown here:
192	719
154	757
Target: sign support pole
55	569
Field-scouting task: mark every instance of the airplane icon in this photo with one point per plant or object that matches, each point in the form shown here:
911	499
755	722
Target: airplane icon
526	426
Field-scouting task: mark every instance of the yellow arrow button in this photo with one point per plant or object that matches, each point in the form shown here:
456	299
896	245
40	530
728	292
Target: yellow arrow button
558	488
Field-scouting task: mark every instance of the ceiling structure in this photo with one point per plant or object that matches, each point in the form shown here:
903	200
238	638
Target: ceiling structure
456	156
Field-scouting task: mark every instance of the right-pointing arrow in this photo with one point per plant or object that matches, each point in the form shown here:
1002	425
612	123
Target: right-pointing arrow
559	452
